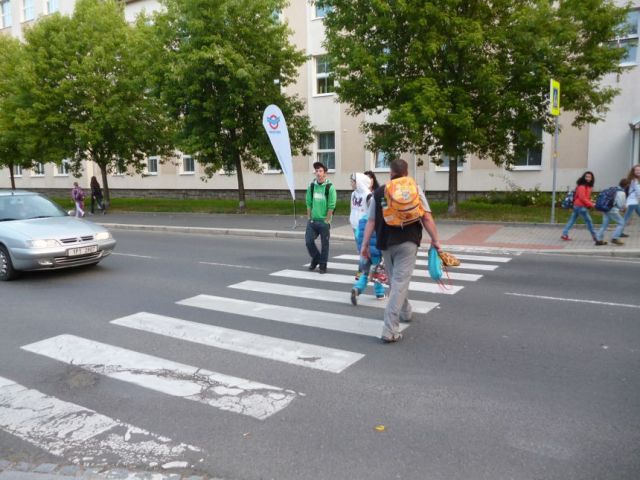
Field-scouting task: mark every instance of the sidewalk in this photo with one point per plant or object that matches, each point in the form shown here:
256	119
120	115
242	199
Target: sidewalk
453	234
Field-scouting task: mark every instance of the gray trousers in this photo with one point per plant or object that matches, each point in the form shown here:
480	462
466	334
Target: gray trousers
399	261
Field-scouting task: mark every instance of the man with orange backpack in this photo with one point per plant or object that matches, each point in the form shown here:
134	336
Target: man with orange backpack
397	214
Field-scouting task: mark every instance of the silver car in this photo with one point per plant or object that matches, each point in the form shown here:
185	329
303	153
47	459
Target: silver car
36	234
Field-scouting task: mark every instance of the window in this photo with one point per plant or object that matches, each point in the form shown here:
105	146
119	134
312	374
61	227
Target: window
321	12
64	168
324	82
152	165
52	6
629	40
28	12
533	157
383	159
188	164
5	14
444	166
327	149
17	170
37	170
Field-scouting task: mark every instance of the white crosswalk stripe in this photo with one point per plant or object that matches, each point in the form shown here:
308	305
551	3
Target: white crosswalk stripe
336	278
418	272
76	433
172	378
296	353
479	258
325	295
462	266
297	316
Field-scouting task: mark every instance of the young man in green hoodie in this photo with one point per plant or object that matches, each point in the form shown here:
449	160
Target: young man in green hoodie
321	202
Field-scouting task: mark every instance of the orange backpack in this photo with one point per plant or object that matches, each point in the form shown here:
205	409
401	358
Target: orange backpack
402	204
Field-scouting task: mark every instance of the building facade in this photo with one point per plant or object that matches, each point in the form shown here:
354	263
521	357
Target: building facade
608	148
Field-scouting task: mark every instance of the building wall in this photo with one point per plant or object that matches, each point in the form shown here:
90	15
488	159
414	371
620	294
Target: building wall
605	148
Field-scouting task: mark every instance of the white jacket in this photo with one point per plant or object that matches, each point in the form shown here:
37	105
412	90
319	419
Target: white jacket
634	193
359	206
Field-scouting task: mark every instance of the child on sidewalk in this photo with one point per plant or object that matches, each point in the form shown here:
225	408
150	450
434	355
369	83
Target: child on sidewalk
614	214
77	195
360	199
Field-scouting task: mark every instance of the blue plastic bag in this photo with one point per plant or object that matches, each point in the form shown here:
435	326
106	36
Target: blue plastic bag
435	264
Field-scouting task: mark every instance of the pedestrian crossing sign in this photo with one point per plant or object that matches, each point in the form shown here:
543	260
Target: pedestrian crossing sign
554	98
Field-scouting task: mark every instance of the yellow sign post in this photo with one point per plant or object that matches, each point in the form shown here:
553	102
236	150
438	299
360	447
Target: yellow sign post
554	110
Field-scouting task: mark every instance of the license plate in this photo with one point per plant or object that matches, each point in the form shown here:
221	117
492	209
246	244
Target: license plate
72	252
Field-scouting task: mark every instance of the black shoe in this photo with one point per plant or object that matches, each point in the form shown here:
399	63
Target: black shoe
323	269
624	235
354	296
313	265
600	243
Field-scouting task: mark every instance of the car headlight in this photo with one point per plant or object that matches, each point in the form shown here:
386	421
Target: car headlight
103	236
42	243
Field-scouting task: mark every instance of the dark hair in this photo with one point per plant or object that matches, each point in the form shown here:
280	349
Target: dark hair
583	181
372	176
321	165
624	183
398	168
94	182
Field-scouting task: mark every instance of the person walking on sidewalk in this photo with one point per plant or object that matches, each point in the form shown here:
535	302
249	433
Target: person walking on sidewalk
399	234
321	202
360	201
77	195
581	205
614	214
96	195
633	195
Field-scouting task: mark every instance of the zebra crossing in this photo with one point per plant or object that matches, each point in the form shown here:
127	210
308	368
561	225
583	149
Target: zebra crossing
21	408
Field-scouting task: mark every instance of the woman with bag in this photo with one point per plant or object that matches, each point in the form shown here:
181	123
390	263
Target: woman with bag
581	205
633	195
96	195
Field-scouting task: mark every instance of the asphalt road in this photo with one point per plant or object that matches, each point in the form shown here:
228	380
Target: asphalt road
529	372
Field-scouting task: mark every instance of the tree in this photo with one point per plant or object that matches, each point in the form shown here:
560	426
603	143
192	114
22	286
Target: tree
90	96
458	77
13	151
223	63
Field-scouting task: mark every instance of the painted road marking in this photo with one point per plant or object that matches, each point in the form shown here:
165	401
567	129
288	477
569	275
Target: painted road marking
296	353
575	300
336	278
325	295
462	266
230	265
81	435
298	316
418	272
479	258
221	391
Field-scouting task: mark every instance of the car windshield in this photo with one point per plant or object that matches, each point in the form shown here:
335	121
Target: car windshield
24	207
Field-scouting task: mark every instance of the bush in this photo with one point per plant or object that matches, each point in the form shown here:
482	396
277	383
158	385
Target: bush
518	196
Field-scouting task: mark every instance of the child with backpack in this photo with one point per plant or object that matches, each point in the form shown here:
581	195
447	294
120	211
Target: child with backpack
611	202
360	200
581	205
77	195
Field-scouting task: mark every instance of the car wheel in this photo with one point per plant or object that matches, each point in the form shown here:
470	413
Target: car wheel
7	272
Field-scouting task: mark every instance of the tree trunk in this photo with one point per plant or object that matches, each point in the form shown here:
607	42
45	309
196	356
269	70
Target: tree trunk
106	197
452	197
242	208
13	179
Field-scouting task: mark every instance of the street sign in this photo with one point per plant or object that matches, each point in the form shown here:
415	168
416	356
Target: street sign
554	98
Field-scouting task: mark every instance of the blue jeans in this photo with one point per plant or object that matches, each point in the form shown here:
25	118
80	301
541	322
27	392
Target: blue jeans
629	212
606	218
579	212
317	228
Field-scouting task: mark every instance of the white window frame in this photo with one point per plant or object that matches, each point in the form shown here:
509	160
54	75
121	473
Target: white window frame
445	160
320	12
184	171
148	171
321	153
17	170
530	166
322	76
633	21
37	170
374	158
5	14
117	172
28	10
53	6
64	168
269	170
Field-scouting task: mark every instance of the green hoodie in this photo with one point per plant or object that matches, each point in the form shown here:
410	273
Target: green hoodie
318	204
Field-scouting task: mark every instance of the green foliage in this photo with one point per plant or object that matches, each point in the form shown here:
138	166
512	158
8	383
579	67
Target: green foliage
219	65
88	91
520	197
470	77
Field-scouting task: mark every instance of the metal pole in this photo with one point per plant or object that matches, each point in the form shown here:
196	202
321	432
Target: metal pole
295	221
555	165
